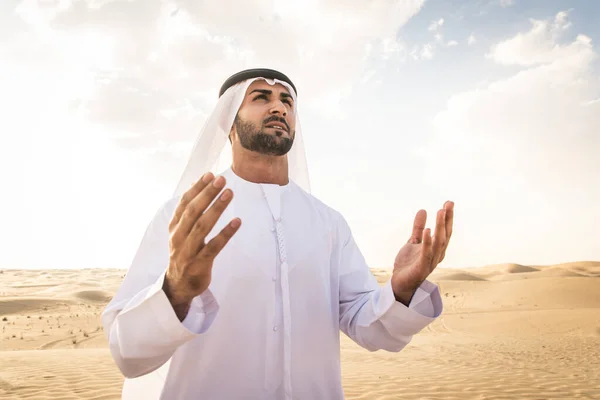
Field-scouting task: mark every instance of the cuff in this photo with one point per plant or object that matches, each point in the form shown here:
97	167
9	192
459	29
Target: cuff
423	309
426	300
201	314
149	327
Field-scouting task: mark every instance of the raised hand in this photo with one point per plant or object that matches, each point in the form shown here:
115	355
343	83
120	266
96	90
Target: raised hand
422	253
191	259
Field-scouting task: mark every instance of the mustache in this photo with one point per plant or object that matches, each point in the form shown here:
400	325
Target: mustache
275	118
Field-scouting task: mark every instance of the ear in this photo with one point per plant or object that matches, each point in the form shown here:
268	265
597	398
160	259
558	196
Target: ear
231	133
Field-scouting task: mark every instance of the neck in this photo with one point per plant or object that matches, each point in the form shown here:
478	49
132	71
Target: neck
259	168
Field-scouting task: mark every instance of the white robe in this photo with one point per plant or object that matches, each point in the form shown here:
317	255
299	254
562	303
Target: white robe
269	325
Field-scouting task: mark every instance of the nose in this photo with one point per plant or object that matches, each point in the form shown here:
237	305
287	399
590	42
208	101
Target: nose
278	108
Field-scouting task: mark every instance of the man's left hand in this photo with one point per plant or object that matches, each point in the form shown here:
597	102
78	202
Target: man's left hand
422	253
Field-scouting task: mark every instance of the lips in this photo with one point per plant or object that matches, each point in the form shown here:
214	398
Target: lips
277	125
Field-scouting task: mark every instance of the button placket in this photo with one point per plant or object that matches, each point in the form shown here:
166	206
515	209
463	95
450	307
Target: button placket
286	306
280	241
284	281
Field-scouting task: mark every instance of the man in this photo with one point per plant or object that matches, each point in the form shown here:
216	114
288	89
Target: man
243	281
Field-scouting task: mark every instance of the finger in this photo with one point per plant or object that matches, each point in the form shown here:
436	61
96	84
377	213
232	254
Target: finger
187	197
449	207
216	244
418	227
439	237
196	208
206	222
426	251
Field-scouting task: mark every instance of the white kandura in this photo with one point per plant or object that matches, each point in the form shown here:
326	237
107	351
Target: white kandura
269	325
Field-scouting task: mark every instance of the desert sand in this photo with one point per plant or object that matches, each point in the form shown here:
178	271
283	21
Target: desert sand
507	332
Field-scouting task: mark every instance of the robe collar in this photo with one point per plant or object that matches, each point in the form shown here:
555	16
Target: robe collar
252	187
269	192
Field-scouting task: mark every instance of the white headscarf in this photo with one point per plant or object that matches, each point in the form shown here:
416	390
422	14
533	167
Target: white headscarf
208	153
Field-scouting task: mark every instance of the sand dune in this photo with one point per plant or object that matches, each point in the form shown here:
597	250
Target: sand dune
460	276
93	296
519	269
508	331
19	305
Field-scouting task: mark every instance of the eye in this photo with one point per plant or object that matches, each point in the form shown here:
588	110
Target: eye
261	96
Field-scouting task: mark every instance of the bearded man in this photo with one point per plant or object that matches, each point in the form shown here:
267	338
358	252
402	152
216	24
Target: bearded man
243	280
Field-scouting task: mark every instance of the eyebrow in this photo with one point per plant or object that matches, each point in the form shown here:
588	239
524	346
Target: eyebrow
269	92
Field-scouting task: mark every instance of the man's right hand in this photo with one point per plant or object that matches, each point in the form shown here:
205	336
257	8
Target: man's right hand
191	259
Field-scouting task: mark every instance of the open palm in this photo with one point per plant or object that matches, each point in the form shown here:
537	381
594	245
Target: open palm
422	253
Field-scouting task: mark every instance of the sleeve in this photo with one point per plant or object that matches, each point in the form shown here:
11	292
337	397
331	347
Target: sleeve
142	328
369	312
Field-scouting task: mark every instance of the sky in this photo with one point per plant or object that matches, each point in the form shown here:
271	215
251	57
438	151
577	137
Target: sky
494	104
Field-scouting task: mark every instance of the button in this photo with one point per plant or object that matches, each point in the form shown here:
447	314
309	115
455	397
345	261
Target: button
272	229
274	279
278	219
274	329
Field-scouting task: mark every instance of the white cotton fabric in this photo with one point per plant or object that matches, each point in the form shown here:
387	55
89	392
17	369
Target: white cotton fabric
289	281
210	152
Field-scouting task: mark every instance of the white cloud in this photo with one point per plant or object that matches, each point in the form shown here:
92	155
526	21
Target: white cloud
101	100
561	20
422	52
471	40
435	28
539	45
591	102
452	43
427	52
145	60
531	136
506	3
390	47
435	25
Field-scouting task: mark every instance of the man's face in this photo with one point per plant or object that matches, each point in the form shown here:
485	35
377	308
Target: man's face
266	120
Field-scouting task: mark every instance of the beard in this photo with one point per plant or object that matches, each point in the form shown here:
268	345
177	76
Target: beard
255	139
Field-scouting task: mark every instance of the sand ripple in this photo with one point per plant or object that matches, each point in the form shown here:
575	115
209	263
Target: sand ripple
59	375
507	332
